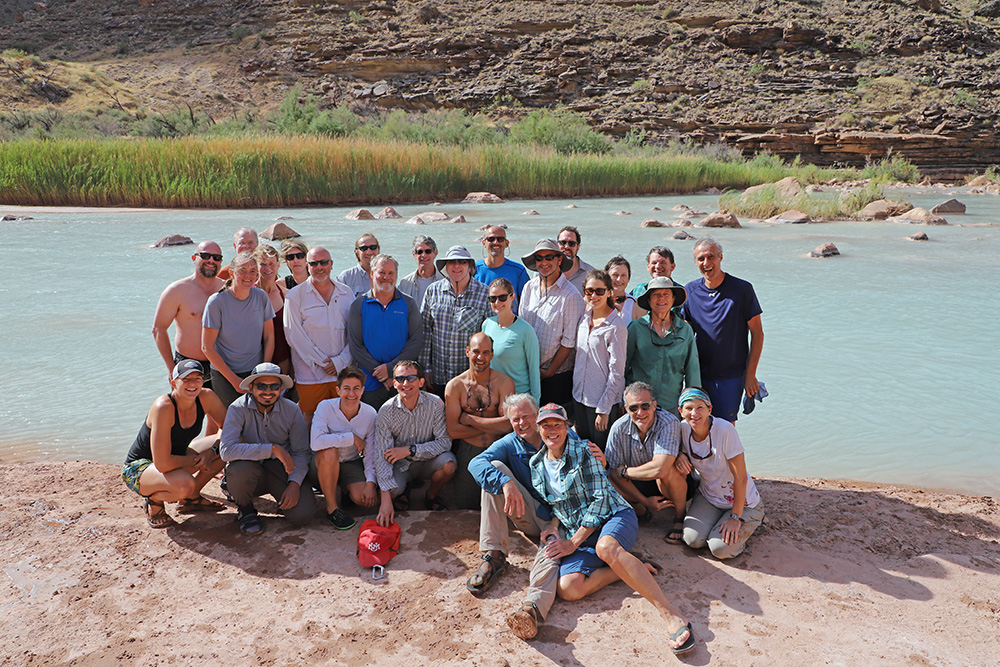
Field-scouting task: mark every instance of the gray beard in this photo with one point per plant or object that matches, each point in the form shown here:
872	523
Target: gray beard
207	272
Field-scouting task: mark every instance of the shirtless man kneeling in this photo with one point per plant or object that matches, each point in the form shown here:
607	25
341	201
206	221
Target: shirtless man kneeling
473	408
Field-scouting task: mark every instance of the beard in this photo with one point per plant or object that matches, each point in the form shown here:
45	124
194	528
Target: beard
208	271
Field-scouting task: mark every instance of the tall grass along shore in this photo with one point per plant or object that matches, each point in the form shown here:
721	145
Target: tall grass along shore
271	171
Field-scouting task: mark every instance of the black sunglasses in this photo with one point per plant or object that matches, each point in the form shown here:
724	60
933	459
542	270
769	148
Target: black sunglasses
546	258
499	297
294	255
495	239
320	262
635	407
264	386
210	255
402	379
415	252
567	242
599	291
362	248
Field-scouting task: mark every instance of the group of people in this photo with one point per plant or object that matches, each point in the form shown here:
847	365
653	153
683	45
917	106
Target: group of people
559	401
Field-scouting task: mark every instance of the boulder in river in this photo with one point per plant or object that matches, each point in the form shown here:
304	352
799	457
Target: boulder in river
720	219
457	220
434	216
360	214
172	240
279	231
388	213
881	209
651	222
919	236
825	250
531	211
482	198
792	217
682	235
919	216
950	206
415	220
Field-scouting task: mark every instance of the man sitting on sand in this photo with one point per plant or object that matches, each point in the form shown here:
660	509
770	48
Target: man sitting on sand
265	443
642	447
411	440
341	429
502	471
473	408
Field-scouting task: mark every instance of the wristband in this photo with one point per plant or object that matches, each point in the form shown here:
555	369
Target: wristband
734	515
623	472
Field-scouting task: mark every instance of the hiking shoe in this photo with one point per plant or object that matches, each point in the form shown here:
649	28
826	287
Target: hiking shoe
525	621
340	519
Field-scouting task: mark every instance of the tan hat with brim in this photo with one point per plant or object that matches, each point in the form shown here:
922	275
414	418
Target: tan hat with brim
546	244
680	294
266	369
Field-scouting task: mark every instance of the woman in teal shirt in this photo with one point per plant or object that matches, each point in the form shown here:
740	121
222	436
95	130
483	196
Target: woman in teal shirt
515	345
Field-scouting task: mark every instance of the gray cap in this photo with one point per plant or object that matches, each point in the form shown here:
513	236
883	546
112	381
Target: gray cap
680	294
266	369
541	246
455	252
185	367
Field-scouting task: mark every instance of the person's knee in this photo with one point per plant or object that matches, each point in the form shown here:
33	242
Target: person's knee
608	549
722	550
302	513
243	475
570	586
693	538
185	486
327	458
448	469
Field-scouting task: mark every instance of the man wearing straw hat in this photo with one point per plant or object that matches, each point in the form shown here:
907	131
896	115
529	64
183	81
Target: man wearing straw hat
265	444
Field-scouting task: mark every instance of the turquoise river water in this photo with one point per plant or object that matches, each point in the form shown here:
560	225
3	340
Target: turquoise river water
881	363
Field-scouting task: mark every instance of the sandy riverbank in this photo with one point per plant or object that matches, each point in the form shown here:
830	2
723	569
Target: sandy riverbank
842	573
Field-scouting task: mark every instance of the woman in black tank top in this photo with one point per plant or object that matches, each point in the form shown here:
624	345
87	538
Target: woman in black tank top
168	462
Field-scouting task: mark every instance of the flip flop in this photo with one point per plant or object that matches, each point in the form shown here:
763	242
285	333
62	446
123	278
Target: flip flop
676	534
199	504
688	643
160	519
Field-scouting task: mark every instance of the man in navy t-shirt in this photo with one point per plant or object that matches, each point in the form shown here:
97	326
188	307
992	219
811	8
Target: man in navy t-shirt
723	309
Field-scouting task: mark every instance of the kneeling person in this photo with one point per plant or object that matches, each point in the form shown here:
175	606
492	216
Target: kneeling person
265	443
168	462
411	440
341	429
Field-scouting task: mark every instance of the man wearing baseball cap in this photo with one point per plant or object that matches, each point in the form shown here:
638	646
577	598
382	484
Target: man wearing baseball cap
265	444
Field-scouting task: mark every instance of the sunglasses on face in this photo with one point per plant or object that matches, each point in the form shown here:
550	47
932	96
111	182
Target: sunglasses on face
264	386
320	262
496	239
294	255
599	291
403	379
210	255
568	243
418	252
363	248
502	298
635	407
546	258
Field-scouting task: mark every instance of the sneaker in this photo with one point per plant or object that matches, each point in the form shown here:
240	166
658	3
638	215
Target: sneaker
340	519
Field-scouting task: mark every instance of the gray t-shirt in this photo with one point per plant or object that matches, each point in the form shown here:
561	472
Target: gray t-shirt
240	325
415	286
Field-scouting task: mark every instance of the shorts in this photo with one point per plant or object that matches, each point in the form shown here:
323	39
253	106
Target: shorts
421	469
351	472
207	384
131	472
311	395
726	397
623	526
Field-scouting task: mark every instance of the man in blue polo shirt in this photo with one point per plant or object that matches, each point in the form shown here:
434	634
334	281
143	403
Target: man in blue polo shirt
383	327
496	265
724	312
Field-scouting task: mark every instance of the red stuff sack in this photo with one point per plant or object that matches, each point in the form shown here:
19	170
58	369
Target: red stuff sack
377	545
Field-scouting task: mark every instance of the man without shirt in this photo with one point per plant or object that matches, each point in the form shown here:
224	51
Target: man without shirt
642	447
359	276
244	240
473	408
265	444
723	311
569	244
496	265
415	285
383	327
341	429
183	304
410	441
316	314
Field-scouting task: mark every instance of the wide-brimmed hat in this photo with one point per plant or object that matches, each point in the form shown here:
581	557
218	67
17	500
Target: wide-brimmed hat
266	369
551	411
547	244
455	252
680	294
185	367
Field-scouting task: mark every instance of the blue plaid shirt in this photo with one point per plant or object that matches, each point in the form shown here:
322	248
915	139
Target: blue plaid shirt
448	322
589	499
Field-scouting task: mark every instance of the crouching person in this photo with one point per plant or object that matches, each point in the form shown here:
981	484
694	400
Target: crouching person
265	444
503	473
341	429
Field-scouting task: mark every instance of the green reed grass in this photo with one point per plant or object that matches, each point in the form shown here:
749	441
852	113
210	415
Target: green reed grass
274	171
768	202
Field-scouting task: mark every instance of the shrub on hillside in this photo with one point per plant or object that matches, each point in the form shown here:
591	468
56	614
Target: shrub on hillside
563	130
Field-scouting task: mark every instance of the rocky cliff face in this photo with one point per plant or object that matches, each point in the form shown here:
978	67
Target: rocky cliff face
834	81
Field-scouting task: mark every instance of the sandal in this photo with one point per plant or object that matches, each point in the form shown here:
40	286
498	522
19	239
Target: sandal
159	519
250	523
435	504
401	503
676	534
525	621
199	504
688	643
489	571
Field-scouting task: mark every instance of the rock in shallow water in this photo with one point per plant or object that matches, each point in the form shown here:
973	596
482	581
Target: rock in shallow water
279	231
950	206
682	235
720	219
388	213
172	240
825	250
360	214
919	216
919	236
482	198
651	222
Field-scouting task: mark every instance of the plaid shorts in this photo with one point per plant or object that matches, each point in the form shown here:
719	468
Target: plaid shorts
131	472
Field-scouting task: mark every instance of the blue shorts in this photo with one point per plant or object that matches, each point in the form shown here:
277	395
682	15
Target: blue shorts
726	397
622	526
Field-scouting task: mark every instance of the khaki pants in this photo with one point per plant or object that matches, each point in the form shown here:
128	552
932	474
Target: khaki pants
494	532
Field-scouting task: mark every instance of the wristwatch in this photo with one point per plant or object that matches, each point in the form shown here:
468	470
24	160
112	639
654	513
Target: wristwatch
734	515
623	471
413	451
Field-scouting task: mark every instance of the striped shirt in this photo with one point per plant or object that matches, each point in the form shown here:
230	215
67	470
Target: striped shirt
398	426
625	448
448	322
554	316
